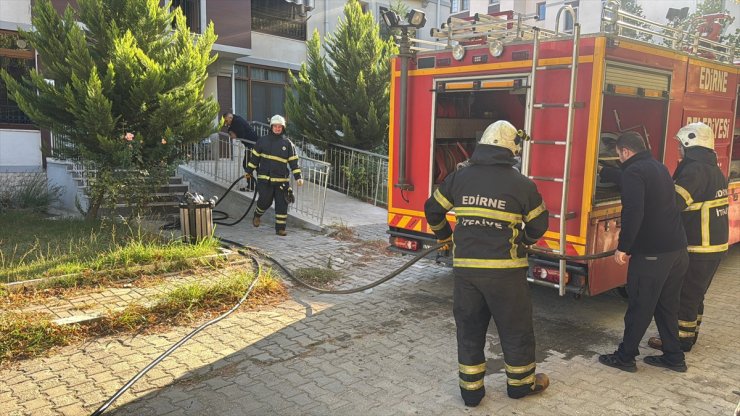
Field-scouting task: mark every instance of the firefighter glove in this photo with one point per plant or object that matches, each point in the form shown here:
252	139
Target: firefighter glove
289	197
299	182
447	243
247	175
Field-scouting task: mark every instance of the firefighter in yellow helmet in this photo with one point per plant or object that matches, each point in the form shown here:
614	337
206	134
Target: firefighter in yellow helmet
271	156
498	211
701	193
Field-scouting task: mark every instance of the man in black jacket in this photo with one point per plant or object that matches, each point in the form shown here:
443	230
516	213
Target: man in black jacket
271	156
497	212
240	129
652	238
701	193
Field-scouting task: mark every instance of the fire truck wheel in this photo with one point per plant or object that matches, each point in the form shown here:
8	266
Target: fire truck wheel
623	291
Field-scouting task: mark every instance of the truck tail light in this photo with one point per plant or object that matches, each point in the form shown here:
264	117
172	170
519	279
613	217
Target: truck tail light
549	274
405	243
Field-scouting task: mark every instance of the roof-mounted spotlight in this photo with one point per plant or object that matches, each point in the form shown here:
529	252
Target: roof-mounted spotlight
391	18
458	52
416	18
495	48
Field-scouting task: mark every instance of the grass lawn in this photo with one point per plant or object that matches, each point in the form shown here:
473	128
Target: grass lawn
32	246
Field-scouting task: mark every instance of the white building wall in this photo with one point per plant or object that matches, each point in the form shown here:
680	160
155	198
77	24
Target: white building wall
15	11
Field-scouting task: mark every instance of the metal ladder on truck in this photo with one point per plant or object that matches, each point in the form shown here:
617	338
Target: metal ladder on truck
563	216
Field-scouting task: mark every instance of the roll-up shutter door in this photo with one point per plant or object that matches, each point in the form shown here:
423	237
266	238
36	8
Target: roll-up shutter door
622	79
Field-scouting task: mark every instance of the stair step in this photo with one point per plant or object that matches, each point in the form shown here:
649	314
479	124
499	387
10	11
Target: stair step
561	66
579	104
551	142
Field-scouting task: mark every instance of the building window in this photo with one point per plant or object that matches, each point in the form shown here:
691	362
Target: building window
541	10
279	18
494	6
191	10
16	58
457	6
568	18
259	93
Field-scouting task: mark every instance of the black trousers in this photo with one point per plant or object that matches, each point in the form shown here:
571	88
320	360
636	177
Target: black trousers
506	298
267	193
654	290
696	282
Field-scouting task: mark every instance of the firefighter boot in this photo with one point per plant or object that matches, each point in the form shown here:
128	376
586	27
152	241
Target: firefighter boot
281	233
657	343
472	398
541	381
256	221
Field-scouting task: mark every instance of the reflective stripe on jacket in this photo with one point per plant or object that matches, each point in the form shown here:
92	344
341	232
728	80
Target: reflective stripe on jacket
271	156
497	210
701	193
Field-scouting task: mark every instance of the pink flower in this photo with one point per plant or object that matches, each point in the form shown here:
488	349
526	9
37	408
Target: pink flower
164	141
129	137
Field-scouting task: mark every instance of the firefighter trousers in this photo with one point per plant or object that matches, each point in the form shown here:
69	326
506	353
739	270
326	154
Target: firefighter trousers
507	300
267	193
654	290
695	285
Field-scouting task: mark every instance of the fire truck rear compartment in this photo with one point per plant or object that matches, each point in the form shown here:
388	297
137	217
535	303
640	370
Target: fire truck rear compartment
460	119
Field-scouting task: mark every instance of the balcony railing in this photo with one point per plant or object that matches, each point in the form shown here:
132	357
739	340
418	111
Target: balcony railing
11	114
269	21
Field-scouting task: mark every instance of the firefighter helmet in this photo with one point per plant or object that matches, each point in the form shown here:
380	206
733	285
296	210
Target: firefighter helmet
277	119
503	134
696	134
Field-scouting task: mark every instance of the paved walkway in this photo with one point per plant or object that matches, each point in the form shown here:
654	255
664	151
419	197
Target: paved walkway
387	352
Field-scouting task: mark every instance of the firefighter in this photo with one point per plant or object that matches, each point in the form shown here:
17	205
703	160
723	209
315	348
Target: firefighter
271	156
498	211
701	193
652	238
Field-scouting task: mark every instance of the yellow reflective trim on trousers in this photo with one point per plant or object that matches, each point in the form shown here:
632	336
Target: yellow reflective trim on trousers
519	369
271	179
687	324
471	385
709	249
686	334
488	213
280	222
490	263
439	226
535	213
442	200
281	215
530	379
279	159
265	177
296	171
472	369
684	194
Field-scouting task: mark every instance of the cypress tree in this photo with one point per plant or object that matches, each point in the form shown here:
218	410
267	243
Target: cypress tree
342	96
127	86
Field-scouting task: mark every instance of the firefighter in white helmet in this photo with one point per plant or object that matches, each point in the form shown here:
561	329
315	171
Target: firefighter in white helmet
271	157
701	193
498	211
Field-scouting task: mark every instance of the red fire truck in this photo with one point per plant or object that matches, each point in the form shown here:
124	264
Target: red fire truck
573	94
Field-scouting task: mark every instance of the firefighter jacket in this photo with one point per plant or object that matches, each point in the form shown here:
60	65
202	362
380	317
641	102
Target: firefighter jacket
701	193
271	156
497	211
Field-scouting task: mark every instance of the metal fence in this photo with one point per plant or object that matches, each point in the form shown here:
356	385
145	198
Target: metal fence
354	172
222	159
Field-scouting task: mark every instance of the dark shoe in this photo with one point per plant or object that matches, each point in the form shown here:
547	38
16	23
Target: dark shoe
657	343
541	381
613	360
660	361
281	233
256	221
